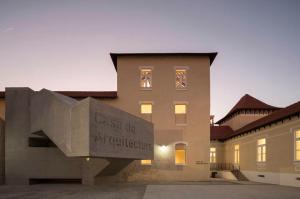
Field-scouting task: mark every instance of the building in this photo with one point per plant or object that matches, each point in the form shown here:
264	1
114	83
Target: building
170	90
258	142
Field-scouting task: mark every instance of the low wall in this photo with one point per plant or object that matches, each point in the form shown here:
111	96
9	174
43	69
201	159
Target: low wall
287	179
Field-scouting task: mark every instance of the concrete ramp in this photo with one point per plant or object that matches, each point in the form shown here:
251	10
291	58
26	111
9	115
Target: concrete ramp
90	128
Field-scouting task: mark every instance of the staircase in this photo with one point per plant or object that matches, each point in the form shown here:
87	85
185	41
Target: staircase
239	175
229	167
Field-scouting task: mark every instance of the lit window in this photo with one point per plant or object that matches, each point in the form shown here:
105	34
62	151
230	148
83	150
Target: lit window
146	162
180	114
146	108
297	145
180	79
146	78
180	154
180	109
261	150
237	154
146	111
212	155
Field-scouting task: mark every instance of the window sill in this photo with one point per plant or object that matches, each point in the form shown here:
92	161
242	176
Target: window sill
181	124
180	164
146	89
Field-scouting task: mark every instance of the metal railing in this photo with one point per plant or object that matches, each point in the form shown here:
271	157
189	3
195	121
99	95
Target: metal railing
223	166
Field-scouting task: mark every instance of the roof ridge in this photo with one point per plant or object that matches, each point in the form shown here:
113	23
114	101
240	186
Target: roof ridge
248	102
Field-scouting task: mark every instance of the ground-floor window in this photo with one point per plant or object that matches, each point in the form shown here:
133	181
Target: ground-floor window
236	154
180	154
261	150
297	145
212	155
146	162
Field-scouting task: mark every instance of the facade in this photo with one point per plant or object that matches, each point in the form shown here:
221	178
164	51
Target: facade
170	90
262	141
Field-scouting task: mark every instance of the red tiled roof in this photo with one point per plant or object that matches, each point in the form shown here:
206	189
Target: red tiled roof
83	94
276	116
114	56
247	102
220	132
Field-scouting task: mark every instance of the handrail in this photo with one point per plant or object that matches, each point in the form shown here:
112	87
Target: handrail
223	166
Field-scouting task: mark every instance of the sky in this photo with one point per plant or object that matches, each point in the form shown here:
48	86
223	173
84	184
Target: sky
65	44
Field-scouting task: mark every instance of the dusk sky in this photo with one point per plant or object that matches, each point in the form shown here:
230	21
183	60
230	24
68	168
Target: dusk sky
65	44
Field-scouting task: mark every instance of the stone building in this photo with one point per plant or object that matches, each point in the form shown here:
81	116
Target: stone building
54	136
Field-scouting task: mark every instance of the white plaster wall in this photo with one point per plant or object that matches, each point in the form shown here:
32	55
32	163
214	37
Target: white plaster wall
287	179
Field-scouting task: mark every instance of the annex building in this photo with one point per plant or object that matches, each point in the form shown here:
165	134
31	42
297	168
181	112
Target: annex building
156	126
258	142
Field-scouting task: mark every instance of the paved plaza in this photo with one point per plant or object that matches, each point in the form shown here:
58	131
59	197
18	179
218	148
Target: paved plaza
180	190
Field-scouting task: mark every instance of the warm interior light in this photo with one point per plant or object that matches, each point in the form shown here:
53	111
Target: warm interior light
146	108
180	109
87	159
146	162
180	156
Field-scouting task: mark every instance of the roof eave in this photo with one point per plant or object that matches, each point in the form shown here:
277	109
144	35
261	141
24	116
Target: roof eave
114	56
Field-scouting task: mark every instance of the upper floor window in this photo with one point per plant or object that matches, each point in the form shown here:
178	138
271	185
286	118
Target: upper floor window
146	110
180	113
146	78
212	155
180	79
297	145
180	154
236	154
261	150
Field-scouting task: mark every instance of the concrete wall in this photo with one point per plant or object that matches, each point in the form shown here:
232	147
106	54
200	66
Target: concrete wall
2	151
23	162
163	95
280	167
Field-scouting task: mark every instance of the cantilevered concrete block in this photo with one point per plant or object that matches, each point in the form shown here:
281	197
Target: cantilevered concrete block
90	128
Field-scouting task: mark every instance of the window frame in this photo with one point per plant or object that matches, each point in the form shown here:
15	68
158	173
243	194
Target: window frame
146	116
237	154
146	164
140	78
260	147
210	155
185	154
295	144
186	112
185	68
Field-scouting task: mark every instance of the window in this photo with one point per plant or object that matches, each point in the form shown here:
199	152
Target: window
180	79
237	154
146	111
146	162
261	150
180	114
180	154
146	78
297	145
212	155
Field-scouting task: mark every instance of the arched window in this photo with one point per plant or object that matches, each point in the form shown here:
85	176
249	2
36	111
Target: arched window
180	154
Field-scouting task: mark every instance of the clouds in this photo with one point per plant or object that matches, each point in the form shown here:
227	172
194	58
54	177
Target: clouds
8	29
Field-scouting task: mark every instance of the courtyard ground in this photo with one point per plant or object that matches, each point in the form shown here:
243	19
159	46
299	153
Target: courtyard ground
179	190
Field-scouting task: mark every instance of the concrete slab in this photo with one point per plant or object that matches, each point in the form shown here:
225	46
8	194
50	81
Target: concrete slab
221	192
